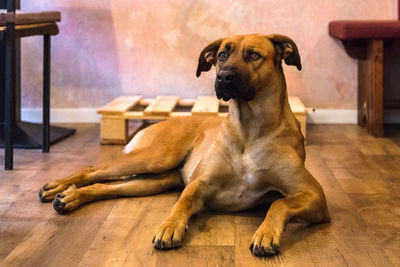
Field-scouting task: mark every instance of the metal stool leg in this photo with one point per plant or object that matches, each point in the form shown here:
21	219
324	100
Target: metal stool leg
46	93
9	97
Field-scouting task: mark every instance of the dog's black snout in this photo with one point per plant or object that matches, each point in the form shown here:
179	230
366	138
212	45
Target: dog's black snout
226	76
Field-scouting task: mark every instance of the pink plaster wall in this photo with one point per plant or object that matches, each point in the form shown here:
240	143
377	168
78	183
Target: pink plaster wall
109	48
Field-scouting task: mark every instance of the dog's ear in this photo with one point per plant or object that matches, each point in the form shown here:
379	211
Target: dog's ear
287	49
208	57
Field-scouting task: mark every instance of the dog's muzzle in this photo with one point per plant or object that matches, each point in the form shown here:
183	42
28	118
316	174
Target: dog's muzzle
229	84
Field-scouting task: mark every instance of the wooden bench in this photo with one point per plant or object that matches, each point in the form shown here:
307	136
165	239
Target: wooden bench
114	126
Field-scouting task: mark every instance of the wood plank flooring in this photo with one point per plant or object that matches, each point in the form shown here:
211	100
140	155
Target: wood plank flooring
360	176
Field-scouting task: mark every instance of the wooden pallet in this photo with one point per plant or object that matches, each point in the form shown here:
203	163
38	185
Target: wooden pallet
114	127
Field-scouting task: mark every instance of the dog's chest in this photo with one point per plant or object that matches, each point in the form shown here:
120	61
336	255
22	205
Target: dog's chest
246	186
242	192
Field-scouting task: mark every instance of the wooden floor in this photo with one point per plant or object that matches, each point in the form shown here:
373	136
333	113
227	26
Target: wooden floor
360	175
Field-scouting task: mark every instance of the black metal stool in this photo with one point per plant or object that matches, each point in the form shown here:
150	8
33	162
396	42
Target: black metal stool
16	132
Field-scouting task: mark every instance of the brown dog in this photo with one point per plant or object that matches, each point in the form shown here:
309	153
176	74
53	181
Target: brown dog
226	165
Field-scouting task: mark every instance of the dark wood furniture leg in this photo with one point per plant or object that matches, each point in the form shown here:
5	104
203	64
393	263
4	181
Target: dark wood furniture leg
46	93
370	88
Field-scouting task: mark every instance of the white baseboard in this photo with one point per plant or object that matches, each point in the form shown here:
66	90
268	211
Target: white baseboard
60	115
70	115
332	116
347	116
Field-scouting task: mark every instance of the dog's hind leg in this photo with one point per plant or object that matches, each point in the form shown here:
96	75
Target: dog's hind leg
139	161
156	149
142	185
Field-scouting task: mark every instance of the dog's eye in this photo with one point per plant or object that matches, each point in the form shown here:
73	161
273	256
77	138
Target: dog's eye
222	56
254	55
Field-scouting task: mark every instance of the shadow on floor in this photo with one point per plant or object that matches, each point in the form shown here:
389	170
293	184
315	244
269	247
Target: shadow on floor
392	131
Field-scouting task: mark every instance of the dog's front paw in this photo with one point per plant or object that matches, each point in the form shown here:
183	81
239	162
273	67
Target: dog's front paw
170	234
264	244
49	191
68	200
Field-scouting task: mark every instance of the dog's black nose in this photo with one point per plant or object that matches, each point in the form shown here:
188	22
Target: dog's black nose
226	76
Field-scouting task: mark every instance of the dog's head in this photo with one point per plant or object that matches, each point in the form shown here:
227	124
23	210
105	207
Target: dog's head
246	64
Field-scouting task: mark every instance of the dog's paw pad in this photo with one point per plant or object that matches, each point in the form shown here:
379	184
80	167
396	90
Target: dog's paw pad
44	197
48	192
264	244
59	206
263	251
169	235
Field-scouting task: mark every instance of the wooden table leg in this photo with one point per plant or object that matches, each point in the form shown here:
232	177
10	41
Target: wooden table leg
370	89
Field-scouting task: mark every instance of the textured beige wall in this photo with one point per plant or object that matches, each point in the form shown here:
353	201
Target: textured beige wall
110	48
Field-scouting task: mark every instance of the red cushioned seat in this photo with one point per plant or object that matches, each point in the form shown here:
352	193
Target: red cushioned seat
373	29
